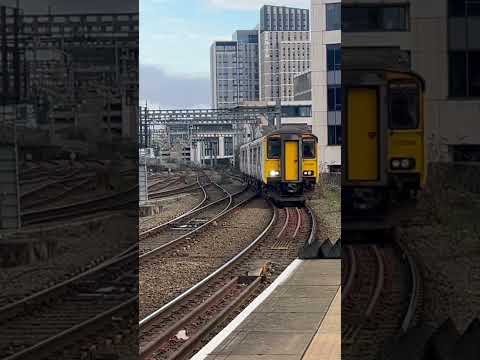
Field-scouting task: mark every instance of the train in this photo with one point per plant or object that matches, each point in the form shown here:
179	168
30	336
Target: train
383	152
283	164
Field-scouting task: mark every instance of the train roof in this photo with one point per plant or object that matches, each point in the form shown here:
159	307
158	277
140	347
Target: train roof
291	130
413	74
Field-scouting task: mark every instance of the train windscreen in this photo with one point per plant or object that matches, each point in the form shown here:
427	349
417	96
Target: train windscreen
308	149
274	148
404	105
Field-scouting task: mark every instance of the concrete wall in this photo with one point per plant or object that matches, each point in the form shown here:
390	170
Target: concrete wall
329	155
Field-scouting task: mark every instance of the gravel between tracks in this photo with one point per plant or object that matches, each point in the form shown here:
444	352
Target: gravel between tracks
169	209
444	237
163	278
326	204
76	248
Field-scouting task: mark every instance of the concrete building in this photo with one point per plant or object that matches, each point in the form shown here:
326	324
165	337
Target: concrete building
284	50
234	69
441	37
81	70
325	81
302	86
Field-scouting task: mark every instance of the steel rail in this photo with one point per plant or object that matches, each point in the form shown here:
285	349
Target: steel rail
314	226
285	224
189	212
188	346
412	305
8	310
380	282
63	211
299	222
145	321
68	333
222	213
351	273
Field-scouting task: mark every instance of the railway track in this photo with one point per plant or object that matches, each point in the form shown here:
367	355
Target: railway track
120	200
51	191
159	184
174	191
177	329
380	297
173	233
70	314
145	233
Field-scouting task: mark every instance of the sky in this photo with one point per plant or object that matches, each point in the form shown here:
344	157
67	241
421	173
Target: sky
175	39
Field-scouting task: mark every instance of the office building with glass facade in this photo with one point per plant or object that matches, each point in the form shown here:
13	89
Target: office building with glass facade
234	69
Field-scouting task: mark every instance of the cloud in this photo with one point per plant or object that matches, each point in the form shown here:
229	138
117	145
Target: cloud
173	91
248	5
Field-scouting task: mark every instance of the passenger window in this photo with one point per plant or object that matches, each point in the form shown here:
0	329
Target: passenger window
274	149
404	106
308	149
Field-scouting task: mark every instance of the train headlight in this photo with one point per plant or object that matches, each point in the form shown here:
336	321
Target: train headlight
395	164
308	173
402	163
274	173
405	163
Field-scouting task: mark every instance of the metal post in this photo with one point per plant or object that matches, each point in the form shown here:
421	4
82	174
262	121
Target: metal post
16	57
145	129
5	73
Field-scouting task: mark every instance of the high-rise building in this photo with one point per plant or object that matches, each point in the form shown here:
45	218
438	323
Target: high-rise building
223	73
326	81
247	61
284	49
234	69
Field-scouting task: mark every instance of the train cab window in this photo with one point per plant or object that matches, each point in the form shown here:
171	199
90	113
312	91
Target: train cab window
308	149
274	148
404	106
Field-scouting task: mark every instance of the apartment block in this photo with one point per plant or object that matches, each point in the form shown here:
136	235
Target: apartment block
325	80
284	50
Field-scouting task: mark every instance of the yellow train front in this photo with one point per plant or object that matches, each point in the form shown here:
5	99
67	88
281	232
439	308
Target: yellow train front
283	164
383	152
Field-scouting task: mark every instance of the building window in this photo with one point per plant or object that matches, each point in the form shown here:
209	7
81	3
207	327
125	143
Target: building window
375	18
334	97
334	57
228	142
296	111
464	49
333	17
334	135
465	153
335	169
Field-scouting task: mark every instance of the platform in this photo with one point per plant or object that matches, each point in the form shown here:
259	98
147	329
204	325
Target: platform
295	318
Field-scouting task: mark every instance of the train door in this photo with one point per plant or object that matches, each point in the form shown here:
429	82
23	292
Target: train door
291	160
362	134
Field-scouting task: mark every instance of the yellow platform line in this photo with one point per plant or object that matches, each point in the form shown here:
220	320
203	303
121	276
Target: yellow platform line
327	342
